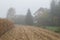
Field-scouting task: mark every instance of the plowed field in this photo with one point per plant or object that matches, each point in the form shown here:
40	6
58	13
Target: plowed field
20	32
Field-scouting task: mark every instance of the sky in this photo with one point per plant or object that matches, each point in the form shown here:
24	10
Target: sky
21	6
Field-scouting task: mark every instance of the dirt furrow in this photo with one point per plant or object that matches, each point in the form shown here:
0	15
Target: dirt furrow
37	34
49	32
32	35
51	37
21	32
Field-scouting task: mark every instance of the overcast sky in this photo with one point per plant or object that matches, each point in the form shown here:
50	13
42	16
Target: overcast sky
21	6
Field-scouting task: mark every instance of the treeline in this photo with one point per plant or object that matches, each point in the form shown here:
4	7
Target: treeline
43	16
20	19
50	17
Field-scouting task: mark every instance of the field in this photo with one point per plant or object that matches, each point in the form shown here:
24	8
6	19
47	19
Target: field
52	28
21	32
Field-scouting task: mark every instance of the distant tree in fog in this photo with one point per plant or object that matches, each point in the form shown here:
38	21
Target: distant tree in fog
11	13
29	18
55	13
42	17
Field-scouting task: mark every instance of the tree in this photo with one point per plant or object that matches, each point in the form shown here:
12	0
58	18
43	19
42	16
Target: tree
52	12
42	17
58	14
55	13
29	18
11	13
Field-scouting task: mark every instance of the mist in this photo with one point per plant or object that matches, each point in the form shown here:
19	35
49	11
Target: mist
29	19
21	6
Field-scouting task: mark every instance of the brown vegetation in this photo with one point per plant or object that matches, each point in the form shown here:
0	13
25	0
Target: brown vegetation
29	33
5	25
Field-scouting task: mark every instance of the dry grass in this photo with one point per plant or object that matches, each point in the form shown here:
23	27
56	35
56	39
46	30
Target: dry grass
5	25
29	33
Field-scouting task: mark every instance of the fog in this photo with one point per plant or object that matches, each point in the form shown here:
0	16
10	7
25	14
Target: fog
29	19
21	6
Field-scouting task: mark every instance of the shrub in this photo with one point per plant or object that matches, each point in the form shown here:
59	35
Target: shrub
58	30
5	25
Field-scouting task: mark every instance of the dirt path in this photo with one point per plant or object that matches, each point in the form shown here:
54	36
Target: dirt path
20	32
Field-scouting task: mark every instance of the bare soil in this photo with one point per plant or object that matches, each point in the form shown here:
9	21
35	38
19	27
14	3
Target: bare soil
21	32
